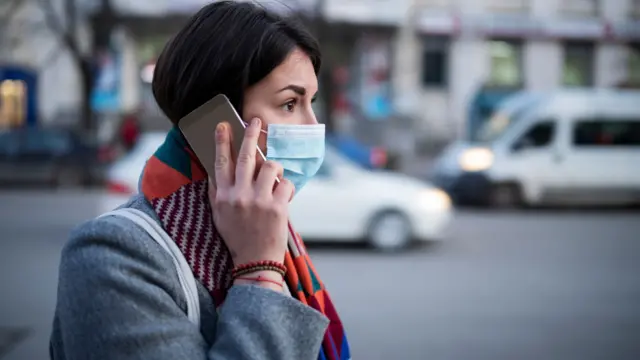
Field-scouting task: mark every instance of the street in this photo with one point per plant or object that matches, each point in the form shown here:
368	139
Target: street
529	285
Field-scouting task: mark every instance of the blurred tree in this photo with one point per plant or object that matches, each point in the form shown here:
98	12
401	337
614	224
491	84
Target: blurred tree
66	28
8	10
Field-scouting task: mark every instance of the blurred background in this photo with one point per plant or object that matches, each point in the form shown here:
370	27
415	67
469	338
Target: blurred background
481	174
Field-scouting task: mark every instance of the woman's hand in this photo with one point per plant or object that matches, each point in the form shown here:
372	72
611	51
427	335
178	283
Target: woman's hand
250	214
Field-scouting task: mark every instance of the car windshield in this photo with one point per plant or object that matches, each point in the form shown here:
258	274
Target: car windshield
506	116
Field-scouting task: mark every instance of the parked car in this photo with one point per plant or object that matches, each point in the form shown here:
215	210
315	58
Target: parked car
344	202
123	175
48	157
573	147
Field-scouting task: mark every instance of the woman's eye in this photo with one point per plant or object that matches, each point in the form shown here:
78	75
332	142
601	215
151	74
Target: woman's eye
289	106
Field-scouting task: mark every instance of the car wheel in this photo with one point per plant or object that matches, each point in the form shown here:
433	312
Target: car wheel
69	178
389	231
505	196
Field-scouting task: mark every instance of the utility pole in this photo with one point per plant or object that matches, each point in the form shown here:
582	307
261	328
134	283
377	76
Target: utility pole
323	34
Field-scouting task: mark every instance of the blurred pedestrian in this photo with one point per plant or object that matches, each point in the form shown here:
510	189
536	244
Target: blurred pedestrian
130	131
124	293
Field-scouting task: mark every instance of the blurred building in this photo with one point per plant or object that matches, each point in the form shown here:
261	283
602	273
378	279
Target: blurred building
419	60
448	49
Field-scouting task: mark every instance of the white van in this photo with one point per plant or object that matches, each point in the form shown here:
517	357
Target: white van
565	147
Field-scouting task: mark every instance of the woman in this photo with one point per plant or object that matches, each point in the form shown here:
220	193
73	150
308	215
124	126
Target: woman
119	296
130	131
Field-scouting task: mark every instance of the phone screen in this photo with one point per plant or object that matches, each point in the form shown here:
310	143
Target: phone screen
198	128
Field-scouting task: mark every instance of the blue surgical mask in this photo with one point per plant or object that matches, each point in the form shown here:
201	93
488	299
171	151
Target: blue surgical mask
298	148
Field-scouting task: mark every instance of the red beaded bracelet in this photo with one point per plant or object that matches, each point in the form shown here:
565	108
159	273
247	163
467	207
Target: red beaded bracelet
262	279
258	266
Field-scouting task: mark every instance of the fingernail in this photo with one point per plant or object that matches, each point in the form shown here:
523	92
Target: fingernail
220	132
255	122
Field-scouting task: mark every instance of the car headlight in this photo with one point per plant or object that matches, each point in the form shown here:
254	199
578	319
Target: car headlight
435	199
477	159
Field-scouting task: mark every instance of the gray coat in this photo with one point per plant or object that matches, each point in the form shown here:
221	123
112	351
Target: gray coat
119	298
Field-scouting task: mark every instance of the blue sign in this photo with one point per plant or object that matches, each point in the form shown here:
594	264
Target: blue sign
106	92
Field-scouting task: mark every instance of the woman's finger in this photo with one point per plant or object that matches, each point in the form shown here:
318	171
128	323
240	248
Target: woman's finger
269	171
284	191
246	161
224	165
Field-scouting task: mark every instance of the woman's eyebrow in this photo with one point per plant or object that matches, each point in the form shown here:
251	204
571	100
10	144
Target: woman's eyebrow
300	90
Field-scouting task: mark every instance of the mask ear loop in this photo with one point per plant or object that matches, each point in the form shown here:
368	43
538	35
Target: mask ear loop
245	124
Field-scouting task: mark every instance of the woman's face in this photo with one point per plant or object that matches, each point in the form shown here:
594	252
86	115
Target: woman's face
285	95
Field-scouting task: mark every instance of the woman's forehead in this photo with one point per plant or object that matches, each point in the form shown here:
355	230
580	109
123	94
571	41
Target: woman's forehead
297	69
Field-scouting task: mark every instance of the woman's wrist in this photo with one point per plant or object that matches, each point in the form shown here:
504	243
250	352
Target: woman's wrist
263	278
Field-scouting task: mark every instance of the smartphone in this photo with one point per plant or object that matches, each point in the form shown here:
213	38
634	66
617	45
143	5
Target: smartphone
198	128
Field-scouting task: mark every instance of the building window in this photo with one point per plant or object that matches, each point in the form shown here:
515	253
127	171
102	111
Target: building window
606	133
435	58
581	8
506	63
518	6
578	64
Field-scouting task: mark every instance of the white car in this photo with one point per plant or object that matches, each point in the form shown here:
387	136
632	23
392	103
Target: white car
344	202
123	175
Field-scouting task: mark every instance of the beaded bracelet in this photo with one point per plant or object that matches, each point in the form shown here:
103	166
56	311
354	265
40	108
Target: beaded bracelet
259	266
262	279
261	263
237	273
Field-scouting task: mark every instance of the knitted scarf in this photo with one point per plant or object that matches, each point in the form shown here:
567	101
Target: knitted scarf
175	184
